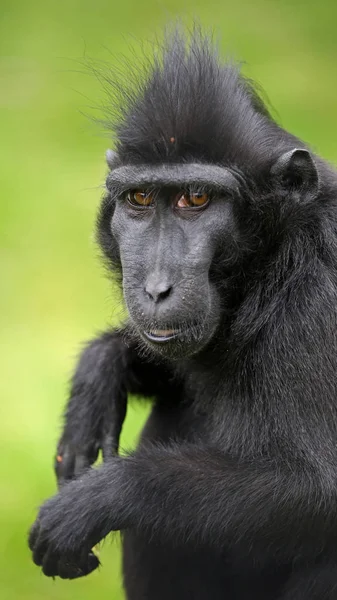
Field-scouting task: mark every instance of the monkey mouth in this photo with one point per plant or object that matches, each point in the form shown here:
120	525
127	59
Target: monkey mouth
161	335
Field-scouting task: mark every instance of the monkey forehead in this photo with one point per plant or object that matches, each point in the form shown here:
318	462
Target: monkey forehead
199	174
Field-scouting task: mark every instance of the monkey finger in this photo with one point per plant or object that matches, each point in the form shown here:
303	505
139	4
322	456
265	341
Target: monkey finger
69	571
90	562
39	553
82	463
50	563
33	535
109	446
64	466
79	567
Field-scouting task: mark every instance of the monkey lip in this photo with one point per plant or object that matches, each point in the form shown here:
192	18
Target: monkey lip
161	335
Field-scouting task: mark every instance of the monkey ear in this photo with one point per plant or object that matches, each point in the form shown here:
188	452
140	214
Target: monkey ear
296	169
111	158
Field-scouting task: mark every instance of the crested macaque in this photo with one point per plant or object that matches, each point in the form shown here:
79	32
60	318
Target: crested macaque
222	229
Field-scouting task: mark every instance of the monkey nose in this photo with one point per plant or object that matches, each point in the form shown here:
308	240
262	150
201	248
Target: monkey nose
157	290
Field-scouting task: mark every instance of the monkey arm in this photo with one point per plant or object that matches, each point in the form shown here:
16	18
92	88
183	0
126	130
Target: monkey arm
192	495
107	370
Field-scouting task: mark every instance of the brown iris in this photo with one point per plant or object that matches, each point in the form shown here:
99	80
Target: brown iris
140	198
192	200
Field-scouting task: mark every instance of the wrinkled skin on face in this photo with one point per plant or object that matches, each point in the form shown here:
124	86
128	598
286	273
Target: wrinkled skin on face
167	249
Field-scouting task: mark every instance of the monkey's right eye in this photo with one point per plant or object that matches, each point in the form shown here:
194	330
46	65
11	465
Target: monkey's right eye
140	198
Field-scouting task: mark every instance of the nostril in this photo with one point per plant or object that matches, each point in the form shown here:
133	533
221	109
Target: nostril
163	295
159	292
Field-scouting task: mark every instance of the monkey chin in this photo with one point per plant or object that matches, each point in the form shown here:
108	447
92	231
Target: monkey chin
177	343
174	348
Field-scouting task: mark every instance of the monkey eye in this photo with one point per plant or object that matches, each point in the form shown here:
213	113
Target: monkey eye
140	198
192	200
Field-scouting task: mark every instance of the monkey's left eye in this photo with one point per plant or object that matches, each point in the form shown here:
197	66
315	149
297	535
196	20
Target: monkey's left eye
192	200
140	198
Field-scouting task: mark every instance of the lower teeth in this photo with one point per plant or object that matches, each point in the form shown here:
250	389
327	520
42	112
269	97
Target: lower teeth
162	333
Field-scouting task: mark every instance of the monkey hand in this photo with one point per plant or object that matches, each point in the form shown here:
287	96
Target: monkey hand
83	438
65	531
96	408
77	451
74	455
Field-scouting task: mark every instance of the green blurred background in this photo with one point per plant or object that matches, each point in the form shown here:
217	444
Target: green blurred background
53	290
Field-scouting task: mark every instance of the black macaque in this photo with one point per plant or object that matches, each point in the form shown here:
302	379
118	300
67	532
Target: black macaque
223	229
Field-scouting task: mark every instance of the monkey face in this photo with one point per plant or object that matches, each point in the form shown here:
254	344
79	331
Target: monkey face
167	241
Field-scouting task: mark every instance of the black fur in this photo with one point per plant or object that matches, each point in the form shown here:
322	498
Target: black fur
232	491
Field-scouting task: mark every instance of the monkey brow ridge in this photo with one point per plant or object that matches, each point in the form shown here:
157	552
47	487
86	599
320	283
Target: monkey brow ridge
201	174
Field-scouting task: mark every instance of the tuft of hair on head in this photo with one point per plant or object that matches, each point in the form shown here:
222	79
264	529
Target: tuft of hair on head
186	103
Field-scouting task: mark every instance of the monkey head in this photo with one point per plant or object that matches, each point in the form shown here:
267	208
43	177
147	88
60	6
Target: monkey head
198	181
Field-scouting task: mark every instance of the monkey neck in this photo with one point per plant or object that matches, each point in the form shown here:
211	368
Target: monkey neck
277	389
